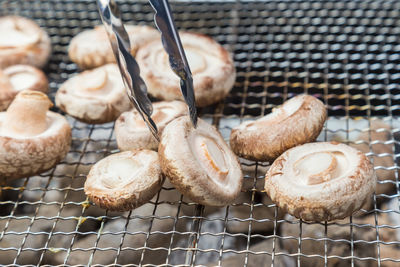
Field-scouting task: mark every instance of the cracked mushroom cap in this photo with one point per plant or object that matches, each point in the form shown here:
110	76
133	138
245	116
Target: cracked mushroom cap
298	121
92	48
125	180
18	78
22	41
211	65
32	139
94	96
132	133
321	181
199	163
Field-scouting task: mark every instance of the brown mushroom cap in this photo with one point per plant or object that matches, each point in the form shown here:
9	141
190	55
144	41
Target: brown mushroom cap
22	41
94	96
321	181
132	133
199	163
125	180
18	78
91	48
211	65
32	139
298	121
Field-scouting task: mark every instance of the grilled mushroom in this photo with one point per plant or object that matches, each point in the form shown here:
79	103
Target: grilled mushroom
22	41
132	133
125	180
18	78
91	48
211	65
321	181
199	163
94	96
297	121
32	139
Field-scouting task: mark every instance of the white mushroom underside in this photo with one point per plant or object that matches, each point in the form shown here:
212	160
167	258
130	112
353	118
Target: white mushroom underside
12	37
22	80
120	173
201	62
280	113
210	157
54	121
308	169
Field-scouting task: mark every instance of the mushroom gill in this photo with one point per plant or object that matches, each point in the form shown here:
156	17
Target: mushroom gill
199	163
299	120
26	115
132	133
321	181
15	35
125	180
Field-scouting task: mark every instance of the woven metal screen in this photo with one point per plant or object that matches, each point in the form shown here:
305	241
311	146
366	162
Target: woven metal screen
346	53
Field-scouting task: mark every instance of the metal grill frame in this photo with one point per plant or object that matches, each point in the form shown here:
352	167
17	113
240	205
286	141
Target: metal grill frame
346	53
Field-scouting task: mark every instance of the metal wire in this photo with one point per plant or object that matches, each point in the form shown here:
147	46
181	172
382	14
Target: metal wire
346	53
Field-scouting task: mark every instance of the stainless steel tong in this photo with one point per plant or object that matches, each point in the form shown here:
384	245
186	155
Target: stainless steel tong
137	90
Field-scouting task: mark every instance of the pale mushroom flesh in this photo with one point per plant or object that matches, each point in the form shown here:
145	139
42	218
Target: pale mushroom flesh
17	78
132	133
199	163
321	181
33	139
125	180
298	121
94	96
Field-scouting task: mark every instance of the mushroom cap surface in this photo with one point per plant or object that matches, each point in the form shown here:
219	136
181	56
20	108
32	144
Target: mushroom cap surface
17	78
22	41
92	48
35	143
199	163
125	180
132	133
299	120
321	181
94	96
211	66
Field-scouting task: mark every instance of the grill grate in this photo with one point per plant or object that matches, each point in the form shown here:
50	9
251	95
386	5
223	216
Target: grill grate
346	53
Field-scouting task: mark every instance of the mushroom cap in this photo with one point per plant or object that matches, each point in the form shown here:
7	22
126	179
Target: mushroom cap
92	48
298	121
132	133
94	96
22	41
199	163
16	78
211	65
321	181
125	180
22	156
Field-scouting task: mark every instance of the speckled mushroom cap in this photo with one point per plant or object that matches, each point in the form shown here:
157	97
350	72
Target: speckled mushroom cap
22	41
211	65
32	139
94	96
199	163
125	180
91	48
132	133
298	121
17	78
321	181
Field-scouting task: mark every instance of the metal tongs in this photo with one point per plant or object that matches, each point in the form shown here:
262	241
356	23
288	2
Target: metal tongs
136	88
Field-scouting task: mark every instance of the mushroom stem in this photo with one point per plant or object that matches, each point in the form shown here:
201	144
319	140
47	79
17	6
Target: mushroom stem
27	114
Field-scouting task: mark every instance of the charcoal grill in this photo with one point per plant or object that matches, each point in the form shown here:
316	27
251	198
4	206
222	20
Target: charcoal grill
346	53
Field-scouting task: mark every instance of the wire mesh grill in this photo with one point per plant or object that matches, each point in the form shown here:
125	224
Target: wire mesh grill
346	53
